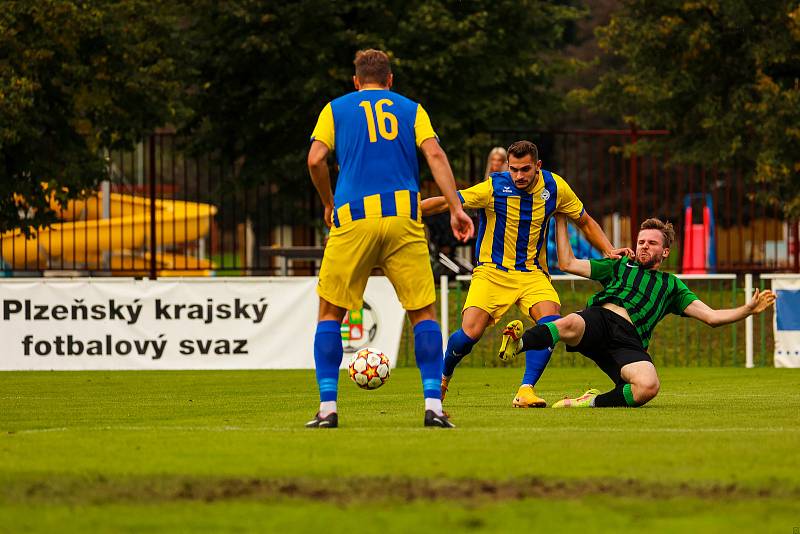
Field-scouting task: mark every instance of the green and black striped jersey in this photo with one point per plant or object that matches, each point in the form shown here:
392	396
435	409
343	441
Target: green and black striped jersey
646	294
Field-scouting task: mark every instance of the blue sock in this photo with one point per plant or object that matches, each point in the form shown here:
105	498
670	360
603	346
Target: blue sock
428	349
536	360
458	346
328	354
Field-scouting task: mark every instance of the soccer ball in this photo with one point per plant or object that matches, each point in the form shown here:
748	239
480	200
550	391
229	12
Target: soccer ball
369	368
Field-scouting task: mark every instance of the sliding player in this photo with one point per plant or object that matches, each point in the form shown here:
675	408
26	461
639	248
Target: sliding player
614	330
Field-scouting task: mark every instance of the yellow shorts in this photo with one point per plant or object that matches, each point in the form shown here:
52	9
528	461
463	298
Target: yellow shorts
494	291
395	244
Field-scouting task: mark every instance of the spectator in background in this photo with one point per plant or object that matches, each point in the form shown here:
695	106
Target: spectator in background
439	234
438	224
496	162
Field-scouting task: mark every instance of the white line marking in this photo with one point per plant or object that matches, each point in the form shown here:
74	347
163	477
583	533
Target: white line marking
576	428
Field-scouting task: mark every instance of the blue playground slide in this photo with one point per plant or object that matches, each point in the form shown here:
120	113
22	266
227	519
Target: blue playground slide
580	246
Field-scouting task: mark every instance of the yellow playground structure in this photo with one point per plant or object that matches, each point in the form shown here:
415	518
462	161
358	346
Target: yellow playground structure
119	243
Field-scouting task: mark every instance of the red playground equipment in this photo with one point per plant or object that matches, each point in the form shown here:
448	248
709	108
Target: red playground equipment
699	243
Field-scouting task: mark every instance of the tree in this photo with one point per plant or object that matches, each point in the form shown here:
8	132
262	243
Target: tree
77	77
722	75
265	70
478	65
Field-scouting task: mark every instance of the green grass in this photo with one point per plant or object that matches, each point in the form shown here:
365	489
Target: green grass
225	451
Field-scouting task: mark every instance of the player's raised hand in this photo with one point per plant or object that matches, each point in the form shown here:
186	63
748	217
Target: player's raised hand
761	301
617	253
462	225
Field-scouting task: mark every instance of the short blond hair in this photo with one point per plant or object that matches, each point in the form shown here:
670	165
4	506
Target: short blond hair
666	229
372	66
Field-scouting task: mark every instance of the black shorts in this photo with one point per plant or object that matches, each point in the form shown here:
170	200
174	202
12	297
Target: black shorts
611	341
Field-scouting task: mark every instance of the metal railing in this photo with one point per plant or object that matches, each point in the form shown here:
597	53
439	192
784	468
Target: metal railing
619	185
171	214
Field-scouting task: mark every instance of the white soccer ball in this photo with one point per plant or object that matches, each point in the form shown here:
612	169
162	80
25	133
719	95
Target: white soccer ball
369	368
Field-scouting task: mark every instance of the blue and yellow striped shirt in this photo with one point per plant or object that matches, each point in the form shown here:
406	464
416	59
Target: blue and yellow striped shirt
375	134
512	226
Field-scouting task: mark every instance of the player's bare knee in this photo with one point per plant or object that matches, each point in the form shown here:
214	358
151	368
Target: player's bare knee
473	329
569	326
428	313
474	322
646	388
475	332
653	385
330	312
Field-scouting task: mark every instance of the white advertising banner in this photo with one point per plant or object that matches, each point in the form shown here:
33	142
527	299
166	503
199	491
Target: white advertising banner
191	323
787	322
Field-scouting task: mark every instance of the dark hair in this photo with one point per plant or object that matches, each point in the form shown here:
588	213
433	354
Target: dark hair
372	66
520	149
666	229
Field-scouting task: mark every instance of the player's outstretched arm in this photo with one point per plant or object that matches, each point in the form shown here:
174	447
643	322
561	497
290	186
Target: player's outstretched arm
460	222
595	235
567	261
318	168
434	205
701	311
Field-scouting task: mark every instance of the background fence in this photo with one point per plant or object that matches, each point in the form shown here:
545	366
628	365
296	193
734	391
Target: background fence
164	213
618	186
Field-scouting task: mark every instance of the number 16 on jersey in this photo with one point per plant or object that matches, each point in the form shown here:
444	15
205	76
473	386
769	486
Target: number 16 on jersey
386	122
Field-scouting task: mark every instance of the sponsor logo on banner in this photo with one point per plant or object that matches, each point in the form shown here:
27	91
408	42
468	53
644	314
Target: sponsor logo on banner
359	328
254	323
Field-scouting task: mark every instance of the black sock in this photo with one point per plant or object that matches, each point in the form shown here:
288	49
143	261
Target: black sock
622	395
537	338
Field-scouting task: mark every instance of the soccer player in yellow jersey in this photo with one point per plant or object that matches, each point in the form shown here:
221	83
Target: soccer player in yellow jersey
515	208
376	221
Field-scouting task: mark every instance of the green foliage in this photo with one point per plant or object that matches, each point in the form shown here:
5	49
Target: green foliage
265	70
76	78
80	77
722	75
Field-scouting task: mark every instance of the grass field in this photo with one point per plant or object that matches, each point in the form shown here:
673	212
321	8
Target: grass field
717	451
